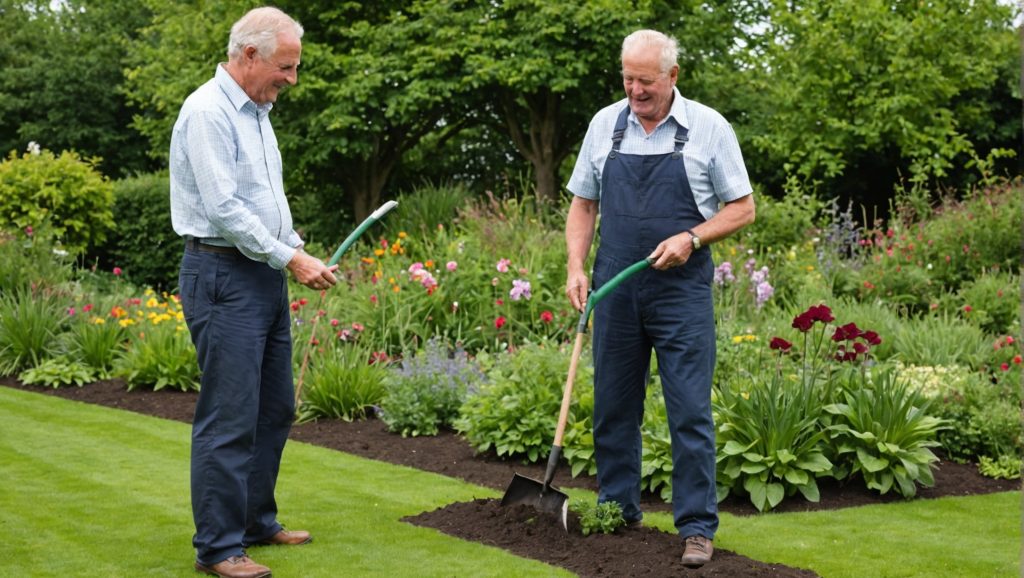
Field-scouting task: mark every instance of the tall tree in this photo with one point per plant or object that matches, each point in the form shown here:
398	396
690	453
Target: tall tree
854	94
63	65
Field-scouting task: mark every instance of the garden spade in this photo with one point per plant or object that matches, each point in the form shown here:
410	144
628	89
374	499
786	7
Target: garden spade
541	495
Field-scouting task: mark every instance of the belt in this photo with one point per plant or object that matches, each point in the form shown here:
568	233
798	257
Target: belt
194	245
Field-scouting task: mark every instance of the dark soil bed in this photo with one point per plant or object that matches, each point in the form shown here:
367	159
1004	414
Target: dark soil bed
523	531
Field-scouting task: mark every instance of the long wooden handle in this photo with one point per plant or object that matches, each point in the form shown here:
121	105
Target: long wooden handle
563	415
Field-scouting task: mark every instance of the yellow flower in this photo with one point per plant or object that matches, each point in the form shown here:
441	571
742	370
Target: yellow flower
99	320
126	322
396	288
745	395
378	252
810	268
369	260
149	291
402	235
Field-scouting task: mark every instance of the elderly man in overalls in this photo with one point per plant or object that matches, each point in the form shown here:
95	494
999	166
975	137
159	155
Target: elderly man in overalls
668	178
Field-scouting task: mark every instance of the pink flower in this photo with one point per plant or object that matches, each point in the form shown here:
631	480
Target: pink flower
967	309
452	266
71	310
499	322
117	271
87	308
1005	367
546	316
334	322
357	326
502	265
373	299
29	230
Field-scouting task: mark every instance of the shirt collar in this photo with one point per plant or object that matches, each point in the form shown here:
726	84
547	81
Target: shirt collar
239	99
676	112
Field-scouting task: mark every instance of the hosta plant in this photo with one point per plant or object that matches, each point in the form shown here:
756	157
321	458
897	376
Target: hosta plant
57	372
884	431
769	441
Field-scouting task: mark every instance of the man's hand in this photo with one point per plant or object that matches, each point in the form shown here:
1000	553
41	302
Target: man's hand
672	252
312	272
576	290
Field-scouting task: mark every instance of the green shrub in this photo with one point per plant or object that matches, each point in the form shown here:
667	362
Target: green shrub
992	302
656	452
32	260
515	412
341	383
425	393
1007	467
64	192
146	248
985	418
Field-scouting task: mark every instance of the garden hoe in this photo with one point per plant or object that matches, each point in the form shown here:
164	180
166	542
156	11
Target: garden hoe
541	495
373	218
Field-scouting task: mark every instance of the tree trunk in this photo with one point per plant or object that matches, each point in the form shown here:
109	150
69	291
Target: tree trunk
540	142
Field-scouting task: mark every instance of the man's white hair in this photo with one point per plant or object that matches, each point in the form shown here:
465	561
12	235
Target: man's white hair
666	45
260	27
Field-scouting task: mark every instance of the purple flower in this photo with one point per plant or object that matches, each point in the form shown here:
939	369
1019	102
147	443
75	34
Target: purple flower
723	274
520	289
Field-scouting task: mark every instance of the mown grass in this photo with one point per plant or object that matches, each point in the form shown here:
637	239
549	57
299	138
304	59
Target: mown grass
88	490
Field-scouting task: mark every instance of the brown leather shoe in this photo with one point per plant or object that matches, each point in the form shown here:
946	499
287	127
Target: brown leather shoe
288	538
698	551
235	567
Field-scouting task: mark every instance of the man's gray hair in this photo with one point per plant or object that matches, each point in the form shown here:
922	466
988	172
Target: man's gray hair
260	27
668	47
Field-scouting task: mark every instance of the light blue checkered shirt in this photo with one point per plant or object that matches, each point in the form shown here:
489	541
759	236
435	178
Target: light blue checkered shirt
714	165
226	174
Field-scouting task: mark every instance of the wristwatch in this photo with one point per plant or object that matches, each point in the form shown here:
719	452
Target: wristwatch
695	239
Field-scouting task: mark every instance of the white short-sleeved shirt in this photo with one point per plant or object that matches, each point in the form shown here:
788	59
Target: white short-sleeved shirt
714	164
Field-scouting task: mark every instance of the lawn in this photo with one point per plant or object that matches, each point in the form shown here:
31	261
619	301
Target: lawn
104	492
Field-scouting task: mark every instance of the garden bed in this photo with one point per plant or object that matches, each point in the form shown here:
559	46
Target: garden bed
635	552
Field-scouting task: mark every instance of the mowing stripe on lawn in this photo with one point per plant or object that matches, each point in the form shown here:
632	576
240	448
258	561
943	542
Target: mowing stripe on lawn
89	490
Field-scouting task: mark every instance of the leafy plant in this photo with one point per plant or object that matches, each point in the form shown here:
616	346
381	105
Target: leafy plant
97	343
515	412
342	384
30	322
32	258
427	390
656	451
603	518
885	433
1007	467
159	352
769	440
57	372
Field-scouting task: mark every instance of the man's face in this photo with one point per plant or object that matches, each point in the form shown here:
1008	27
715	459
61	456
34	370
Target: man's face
648	88
266	77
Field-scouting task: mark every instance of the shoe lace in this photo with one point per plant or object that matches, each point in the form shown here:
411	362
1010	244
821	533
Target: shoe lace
698	542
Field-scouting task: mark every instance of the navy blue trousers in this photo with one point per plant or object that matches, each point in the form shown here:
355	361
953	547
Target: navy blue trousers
237	313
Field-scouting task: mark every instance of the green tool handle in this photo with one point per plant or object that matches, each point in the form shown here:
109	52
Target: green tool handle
608	288
373	218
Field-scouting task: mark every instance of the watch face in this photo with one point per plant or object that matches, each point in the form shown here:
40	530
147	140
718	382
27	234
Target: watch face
696	241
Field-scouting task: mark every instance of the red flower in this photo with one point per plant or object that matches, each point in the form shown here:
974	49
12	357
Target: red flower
967	309
780	344
872	338
334	322
546	316
847	332
117	271
803	322
1005	367
499	322
295	306
1017	360
378	357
